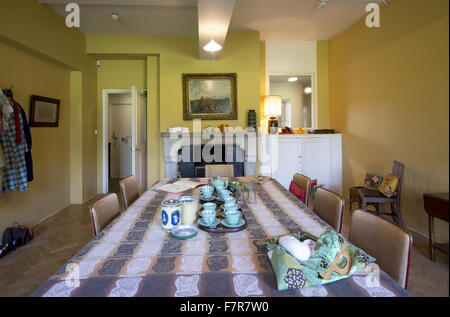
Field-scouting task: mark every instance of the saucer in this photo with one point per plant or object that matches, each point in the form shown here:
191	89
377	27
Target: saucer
223	207
207	199
184	232
239	224
213	225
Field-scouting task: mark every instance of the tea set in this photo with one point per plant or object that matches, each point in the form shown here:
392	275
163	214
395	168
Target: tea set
179	215
232	216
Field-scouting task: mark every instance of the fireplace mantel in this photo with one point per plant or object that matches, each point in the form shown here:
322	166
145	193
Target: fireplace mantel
246	143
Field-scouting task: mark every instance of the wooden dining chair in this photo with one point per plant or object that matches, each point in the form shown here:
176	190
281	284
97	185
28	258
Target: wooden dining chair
329	206
386	241
222	170
372	196
304	183
129	190
103	212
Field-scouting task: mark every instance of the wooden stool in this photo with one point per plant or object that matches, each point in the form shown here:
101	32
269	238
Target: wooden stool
436	205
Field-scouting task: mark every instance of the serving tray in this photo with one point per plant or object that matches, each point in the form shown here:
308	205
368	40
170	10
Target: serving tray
220	228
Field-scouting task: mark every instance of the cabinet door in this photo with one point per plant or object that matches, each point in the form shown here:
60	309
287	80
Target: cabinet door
316	159
288	161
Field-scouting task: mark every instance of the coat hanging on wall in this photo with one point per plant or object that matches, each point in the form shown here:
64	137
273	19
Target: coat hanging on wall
14	145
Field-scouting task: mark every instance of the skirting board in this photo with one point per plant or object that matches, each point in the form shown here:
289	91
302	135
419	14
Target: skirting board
50	215
59	210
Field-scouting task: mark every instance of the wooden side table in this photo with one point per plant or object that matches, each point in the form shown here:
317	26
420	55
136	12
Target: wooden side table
436	205
354	196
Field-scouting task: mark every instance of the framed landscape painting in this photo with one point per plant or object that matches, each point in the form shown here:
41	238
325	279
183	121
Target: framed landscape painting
210	96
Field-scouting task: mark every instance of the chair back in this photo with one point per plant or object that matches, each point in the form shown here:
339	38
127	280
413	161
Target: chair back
304	183
129	189
397	170
329	206
387	242
103	212
222	170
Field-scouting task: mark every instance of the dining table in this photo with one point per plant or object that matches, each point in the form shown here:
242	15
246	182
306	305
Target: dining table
134	256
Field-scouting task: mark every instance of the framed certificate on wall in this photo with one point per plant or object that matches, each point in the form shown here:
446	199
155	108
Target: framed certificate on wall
44	112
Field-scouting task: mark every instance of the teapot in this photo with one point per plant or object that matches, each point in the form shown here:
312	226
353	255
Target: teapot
219	182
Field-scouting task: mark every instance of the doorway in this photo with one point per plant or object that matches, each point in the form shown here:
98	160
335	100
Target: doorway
124	137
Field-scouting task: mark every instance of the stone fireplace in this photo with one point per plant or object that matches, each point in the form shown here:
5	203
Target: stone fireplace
186	154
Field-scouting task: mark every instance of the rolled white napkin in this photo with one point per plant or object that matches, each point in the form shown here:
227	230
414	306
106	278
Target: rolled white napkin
311	244
299	250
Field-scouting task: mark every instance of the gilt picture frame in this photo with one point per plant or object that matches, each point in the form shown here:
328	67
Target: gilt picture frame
210	96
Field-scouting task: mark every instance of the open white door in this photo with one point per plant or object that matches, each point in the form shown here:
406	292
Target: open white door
139	136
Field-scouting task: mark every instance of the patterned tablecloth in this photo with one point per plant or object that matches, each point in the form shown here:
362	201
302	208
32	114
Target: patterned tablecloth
133	256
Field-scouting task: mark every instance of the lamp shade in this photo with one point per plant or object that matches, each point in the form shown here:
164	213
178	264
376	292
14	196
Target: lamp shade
212	46
272	106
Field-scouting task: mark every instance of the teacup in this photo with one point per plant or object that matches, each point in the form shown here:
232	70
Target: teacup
231	208
229	199
208	216
230	205
232	217
225	193
207	191
209	206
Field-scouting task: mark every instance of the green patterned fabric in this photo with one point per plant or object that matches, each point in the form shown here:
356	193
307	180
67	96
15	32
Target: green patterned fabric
292	273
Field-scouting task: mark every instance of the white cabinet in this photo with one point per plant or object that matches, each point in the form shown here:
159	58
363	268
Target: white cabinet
316	159
317	156
289	161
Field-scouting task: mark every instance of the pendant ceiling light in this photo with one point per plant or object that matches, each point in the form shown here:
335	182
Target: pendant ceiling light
212	46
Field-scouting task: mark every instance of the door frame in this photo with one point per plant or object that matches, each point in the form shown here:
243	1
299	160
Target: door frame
105	133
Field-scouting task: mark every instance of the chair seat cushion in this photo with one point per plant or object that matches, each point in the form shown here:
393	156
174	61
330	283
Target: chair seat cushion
373	193
367	192
297	191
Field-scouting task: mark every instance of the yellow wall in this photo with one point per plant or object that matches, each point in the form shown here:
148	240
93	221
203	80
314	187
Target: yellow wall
155	169
50	190
115	74
389	96
179	55
323	96
40	55
89	125
171	57
76	143
262	83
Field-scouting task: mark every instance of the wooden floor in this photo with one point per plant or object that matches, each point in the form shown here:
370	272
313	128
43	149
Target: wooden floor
60	237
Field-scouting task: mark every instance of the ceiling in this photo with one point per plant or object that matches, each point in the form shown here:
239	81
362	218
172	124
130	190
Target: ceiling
301	79
286	20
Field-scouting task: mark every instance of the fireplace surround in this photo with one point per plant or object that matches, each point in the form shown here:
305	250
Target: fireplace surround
186	152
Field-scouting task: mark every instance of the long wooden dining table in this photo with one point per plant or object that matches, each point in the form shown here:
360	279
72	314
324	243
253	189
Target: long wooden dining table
133	256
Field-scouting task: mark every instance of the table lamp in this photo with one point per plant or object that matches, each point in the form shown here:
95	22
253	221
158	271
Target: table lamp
272	108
